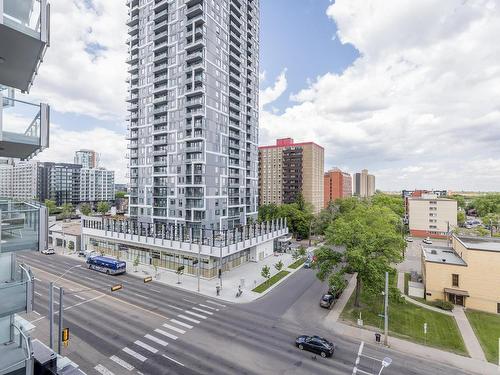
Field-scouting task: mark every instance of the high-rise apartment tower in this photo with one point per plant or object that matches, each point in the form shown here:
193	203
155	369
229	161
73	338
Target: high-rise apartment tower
193	102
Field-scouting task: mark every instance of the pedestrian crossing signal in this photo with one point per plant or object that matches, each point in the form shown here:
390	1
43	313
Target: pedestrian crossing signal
65	335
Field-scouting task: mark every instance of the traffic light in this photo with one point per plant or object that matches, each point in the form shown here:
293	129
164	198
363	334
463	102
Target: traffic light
116	287
148	279
65	335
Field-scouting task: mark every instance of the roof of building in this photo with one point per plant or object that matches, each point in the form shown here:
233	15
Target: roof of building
442	254
71	228
288	142
480	243
424	198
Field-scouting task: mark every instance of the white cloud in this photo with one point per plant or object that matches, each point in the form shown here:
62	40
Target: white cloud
111	145
272	93
84	69
423	95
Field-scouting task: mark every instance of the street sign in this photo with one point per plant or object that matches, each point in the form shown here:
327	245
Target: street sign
116	287
148	279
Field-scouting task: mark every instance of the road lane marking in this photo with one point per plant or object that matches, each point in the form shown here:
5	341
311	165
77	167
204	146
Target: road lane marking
155	290
156	339
360	350
136	355
195	314
181	331
141	296
103	370
175	307
203	311
36	320
86	301
169	335
173	360
215	303
38	294
79	297
188	300
188	319
208	307
88	278
181	323
121	362
36	312
146	346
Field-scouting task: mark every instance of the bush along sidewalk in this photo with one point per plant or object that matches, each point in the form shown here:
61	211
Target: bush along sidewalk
270	281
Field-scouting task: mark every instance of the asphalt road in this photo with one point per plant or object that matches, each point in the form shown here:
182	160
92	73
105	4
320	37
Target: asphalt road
156	329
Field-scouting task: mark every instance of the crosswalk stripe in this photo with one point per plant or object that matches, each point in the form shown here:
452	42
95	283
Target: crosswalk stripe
203	311
188	318
156	339
215	303
136	355
121	362
38	294
181	323
208	307
181	331
195	314
173	360
175	307
146	346
103	370
80	297
169	335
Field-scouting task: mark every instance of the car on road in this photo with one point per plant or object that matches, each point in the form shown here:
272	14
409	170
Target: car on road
315	344
409	239
427	241
308	263
327	301
48	251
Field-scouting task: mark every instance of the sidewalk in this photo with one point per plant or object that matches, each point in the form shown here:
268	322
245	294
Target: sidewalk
474	365
247	275
470	339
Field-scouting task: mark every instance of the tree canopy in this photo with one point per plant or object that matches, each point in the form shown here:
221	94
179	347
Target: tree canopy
486	204
103	207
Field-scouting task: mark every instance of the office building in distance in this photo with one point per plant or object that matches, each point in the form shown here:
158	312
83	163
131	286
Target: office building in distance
337	184
288	169
87	158
363	184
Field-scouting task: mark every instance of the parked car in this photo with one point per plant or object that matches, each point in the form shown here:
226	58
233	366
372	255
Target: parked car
427	241
327	301
48	251
308	263
315	344
409	239
336	294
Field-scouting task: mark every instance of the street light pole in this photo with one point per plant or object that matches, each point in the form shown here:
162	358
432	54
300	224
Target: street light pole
60	327
386	308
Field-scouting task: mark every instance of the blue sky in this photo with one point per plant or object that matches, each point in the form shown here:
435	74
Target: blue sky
299	36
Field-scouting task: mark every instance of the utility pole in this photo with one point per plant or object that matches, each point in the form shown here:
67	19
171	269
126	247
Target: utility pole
51	315
199	258
386	308
60	327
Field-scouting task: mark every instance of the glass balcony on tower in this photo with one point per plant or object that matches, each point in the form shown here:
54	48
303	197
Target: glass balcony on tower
24	37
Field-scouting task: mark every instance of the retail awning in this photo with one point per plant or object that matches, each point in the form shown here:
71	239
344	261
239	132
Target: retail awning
457	292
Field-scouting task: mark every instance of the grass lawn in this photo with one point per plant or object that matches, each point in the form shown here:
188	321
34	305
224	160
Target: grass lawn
487	329
297	263
406	321
268	283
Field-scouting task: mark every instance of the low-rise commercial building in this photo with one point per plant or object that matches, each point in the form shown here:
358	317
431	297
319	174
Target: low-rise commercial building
466	274
430	216
337	184
65	235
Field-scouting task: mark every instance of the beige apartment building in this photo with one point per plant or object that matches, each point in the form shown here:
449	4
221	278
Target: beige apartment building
288	169
363	184
465	273
430	216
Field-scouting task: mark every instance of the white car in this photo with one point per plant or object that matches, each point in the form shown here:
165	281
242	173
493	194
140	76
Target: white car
48	251
409	239
427	241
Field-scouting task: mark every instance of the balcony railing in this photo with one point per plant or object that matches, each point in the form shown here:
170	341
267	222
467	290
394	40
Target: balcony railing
24	128
16	355
26	34
16	288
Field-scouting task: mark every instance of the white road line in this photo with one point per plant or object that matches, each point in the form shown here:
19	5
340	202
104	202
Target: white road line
203	311
181	323
360	350
140	295
121	362
181	331
188	319
175	307
146	346
79	297
38	294
136	355
195	314
56	302
169	335
71	289
156	339
208	307
88	278
173	360
36	320
155	290
103	370
81	303
188	300
215	303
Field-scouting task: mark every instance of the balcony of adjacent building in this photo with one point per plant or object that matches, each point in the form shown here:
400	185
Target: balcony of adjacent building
16	354
24	37
193	10
24	126
23	226
194	56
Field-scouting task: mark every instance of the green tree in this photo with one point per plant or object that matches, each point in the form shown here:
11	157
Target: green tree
136	263
103	208
461	218
71	245
85	209
120	194
67	210
394	202
268	212
279	266
372	241
325	217
486	204
51	206
266	272
460	200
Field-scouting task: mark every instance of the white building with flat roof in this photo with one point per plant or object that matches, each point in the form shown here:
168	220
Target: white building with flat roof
430	216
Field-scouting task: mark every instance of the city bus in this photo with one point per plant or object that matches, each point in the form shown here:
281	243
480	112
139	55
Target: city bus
107	265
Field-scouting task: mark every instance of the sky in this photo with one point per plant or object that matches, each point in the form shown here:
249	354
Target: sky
407	89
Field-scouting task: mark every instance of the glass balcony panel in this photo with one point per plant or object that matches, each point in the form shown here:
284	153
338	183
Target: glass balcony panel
20	226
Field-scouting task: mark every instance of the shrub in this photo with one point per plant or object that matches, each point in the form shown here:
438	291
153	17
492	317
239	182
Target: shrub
444	305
